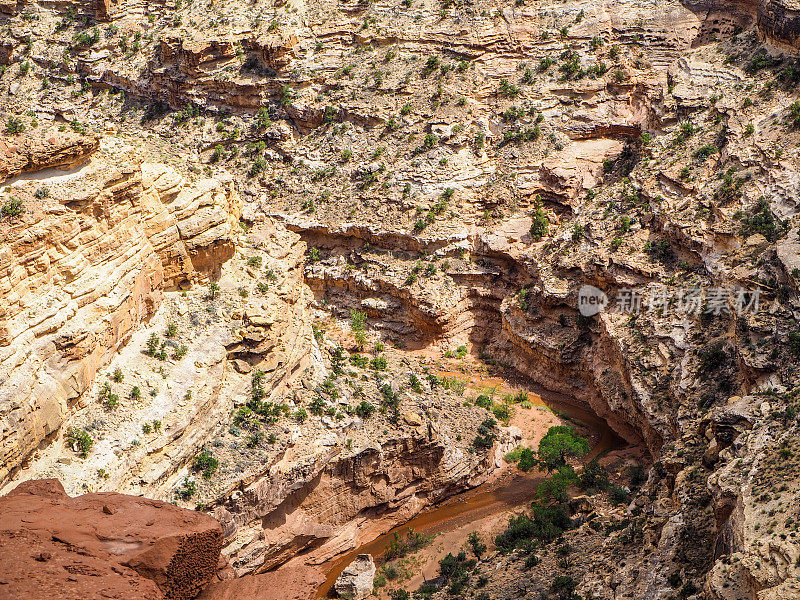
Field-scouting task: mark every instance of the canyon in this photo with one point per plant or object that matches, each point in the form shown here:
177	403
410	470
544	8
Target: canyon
293	274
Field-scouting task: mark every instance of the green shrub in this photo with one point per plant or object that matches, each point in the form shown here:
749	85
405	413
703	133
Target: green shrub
546	524
559	443
509	90
478	547
399	547
761	60
365	409
88	38
712	358
761	220
14	125
206	463
539	225
487	434
703	152
594	477
483	401
187	489
81	440
502	412
554	488
794	113
617	494
658	250
12	208
107	397
527	460
794	343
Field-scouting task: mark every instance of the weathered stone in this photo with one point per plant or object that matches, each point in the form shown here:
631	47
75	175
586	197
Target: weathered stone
356	580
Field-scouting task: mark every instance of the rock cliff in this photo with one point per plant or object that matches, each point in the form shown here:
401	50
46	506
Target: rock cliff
270	260
86	263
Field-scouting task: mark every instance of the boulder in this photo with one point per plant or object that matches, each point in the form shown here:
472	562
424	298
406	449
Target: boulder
356	580
103	545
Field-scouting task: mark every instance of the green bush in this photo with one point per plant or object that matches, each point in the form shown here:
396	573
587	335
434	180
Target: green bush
14	125
81	439
478	547
527	460
794	343
509	90
703	152
206	463
559	443
761	220
546	524
187	489
554	488
107	397
712	358
365	409
483	401
502	412
88	38
617	494
487	434
794	113
539	225
594	477
12	208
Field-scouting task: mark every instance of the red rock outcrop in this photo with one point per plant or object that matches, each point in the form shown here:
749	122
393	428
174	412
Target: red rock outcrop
102	545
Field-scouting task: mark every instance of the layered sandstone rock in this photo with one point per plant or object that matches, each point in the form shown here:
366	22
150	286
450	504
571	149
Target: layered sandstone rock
779	20
40	149
107	545
308	510
644	132
85	264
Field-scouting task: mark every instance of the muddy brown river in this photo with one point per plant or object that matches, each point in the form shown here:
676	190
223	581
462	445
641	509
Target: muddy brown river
483	501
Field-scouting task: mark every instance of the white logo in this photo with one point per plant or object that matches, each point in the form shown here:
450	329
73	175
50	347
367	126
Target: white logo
591	300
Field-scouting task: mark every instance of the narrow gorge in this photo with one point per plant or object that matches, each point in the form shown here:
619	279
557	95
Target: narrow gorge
424	299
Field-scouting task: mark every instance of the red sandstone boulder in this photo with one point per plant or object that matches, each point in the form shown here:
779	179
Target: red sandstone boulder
104	545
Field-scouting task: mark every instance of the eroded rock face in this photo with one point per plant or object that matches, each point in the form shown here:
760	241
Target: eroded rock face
36	150
779	21
84	265
106	544
307	510
356	579
645	133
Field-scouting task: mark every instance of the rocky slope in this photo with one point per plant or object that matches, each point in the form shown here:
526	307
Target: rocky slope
407	179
